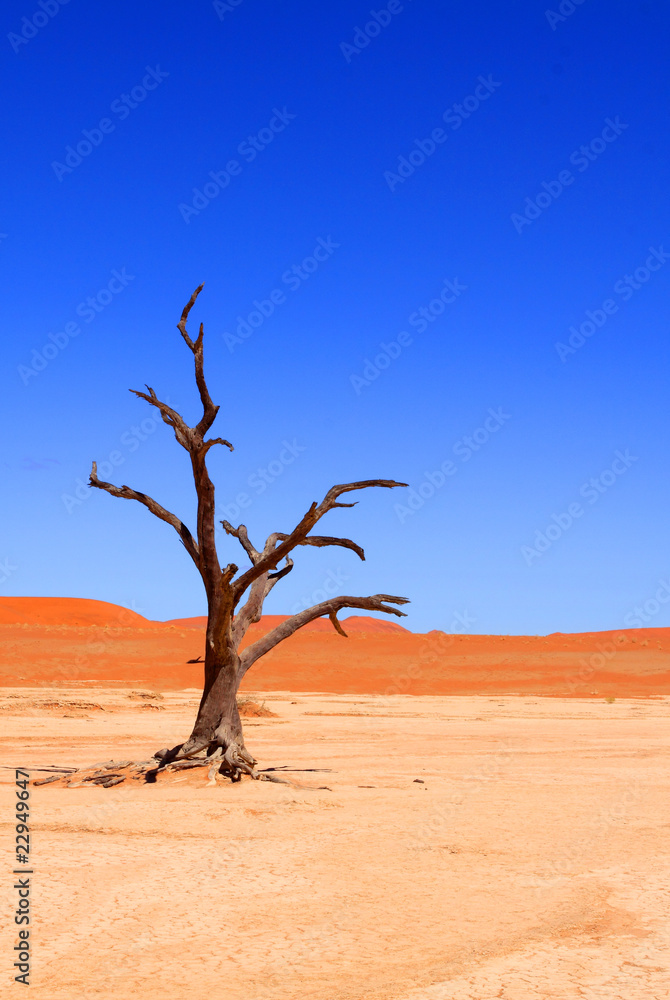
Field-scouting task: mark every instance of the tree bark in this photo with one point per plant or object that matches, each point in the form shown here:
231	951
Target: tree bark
218	721
218	727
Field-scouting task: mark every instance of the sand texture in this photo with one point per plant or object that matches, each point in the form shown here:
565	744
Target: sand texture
530	859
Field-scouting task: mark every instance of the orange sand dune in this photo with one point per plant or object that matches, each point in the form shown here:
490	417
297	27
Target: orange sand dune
48	641
68	612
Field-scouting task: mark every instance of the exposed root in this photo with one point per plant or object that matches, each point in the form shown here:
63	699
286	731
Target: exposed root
233	764
239	761
215	767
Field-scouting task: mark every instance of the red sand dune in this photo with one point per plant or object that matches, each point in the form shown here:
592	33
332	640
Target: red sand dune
69	612
66	641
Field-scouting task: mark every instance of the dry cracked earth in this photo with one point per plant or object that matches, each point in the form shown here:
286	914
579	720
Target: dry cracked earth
463	848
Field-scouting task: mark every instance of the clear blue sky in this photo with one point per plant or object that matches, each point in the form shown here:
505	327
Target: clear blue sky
226	143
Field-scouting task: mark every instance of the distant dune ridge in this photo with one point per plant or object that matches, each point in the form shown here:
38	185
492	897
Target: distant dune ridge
57	640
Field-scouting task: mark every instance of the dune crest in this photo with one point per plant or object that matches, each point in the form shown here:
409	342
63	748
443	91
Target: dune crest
49	640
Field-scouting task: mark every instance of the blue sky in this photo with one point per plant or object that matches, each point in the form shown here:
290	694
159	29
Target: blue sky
480	182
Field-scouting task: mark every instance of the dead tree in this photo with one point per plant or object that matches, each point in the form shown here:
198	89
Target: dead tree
218	728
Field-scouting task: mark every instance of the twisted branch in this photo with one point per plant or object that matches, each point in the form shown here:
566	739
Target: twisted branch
209	409
182	431
273	554
243	538
127	494
378	602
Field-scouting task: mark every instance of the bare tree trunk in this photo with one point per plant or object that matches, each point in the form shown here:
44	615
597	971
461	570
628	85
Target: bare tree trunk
217	714
218	728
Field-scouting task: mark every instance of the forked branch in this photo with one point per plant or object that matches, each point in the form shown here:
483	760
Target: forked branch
253	608
273	553
243	538
182	431
209	409
378	602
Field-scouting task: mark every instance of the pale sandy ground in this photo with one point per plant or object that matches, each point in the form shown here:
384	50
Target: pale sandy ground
534	861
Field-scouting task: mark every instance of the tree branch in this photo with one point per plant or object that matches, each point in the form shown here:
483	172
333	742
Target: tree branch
336	625
378	602
127	494
253	609
243	538
209	409
272	553
321	541
212	441
182	431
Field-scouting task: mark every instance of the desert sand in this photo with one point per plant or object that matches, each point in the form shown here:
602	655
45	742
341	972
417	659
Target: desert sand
529	860
451	832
